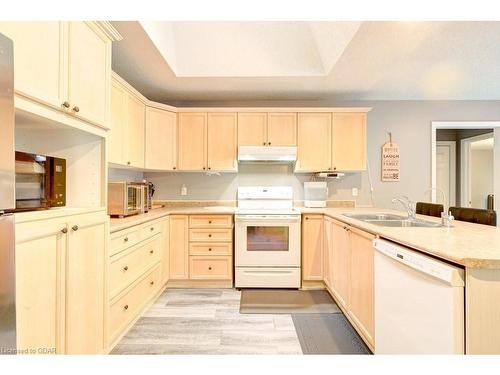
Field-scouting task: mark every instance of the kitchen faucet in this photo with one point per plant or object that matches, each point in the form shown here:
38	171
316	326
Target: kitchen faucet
409	206
446	216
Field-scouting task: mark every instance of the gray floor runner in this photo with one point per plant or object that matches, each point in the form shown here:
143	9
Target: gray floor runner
327	334
285	301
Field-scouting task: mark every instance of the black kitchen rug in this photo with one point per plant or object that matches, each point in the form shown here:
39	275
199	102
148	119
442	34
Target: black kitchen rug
327	334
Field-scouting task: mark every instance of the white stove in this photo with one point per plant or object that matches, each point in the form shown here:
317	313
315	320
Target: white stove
267	238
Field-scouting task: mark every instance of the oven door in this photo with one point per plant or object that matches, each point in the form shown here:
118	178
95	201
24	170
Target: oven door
267	240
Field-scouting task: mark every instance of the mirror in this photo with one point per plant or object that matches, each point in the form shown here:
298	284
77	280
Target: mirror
464	167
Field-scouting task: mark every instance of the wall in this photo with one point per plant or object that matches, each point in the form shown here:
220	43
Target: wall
481	177
410	124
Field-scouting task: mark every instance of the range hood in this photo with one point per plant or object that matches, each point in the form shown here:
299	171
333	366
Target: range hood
267	154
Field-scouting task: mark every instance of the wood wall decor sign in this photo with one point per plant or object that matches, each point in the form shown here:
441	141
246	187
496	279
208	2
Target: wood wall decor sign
390	161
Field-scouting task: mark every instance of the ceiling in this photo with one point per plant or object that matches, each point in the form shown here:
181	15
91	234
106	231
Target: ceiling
172	62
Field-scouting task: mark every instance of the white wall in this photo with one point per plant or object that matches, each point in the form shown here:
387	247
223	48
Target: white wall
410	124
481	166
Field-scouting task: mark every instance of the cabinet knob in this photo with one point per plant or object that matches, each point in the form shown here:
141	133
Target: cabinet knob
269	143
209	235
128	163
174	168
204	168
125	307
66	104
151	251
125	239
210	268
209	168
334	168
263	143
76	109
209	221
209	249
307	218
74	227
152	283
64	230
125	268
152	229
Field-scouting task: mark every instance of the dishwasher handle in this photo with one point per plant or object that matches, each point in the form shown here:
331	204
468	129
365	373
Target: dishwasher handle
449	274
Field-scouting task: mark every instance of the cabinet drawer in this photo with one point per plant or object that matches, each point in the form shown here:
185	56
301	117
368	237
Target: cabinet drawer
126	308
211	235
216	248
125	269
210	221
123	239
210	268
150	229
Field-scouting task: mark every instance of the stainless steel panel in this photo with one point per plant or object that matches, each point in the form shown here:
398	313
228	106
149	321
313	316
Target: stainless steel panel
7	285
7	172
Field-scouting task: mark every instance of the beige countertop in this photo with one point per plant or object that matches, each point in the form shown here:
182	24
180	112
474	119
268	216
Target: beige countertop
470	245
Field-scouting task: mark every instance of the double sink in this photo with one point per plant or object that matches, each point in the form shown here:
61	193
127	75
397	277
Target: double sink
392	220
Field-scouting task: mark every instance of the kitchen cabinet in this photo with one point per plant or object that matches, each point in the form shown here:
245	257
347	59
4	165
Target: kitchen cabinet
65	66
282	129
340	262
192	144
136	119
179	247
327	252
252	129
165	250
85	285
60	284
118	128
361	302
312	248
349	141
222	142
161	139
314	142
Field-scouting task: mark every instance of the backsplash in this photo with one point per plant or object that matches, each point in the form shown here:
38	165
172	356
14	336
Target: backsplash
118	174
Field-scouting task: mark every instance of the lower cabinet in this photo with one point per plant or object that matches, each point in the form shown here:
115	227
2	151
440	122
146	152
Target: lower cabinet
201	250
60	284
312	247
349	273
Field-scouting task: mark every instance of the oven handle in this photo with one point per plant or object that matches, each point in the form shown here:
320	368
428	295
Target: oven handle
272	219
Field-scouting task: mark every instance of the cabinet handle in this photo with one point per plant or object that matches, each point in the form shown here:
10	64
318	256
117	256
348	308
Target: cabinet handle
334	168
263	143
152	283
307	218
66	104
209	221
174	168
74	227
209	235
76	109
329	168
125	239
151	251
125	268
209	168
128	163
152	229
209	268
204	168
64	230
209	249
125	307
269	143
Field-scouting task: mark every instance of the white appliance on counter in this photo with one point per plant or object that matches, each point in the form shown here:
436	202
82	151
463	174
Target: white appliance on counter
419	303
267	238
315	193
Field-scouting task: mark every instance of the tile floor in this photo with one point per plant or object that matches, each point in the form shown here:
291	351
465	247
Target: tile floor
207	321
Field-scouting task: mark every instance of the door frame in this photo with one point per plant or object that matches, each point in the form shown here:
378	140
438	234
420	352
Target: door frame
453	165
495	126
465	182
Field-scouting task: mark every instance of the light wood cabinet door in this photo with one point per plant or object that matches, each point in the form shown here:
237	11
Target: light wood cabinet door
312	247
349	141
314	142
361	281
252	129
327	252
179	247
89	72
39	59
192	145
161	139
340	262
221	142
282	129
165	250
86	261
136	118
116	134
40	249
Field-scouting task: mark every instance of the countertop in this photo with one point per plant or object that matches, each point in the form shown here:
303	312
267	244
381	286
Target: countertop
466	244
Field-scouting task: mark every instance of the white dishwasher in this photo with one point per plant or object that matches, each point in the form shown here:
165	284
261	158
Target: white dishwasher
419	303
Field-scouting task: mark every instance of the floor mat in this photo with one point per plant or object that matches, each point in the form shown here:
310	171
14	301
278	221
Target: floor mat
284	301
327	334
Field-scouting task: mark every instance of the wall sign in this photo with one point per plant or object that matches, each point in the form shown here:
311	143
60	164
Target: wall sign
390	161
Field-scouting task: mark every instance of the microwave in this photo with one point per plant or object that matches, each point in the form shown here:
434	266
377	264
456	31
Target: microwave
40	181
127	198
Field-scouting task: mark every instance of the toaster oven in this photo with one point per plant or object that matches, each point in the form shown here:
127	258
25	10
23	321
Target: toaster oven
127	198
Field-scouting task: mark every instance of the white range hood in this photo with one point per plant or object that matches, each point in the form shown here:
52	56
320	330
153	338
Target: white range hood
267	154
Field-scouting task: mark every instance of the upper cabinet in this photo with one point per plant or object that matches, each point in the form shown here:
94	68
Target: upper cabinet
221	142
192	141
116	134
349	141
64	66
161	139
267	129
314	142
136	122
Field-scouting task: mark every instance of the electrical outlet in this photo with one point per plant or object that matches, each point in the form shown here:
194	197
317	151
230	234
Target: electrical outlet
354	192
184	190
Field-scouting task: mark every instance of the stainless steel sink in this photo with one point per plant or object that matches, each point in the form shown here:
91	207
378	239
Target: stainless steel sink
375	216
404	223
